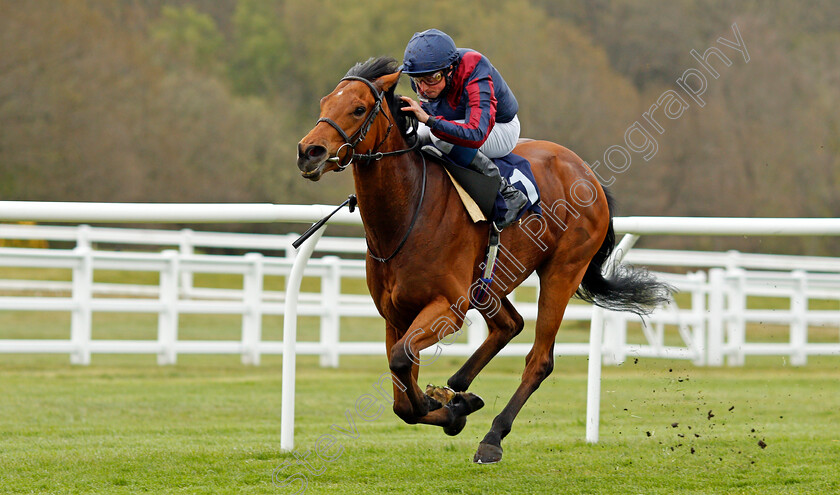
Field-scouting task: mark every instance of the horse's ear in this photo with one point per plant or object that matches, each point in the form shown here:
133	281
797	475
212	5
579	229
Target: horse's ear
387	81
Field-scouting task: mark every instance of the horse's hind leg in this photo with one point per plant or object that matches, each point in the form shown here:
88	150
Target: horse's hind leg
503	326
555	291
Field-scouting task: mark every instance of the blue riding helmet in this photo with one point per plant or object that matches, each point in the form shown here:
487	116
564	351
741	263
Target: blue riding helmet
429	51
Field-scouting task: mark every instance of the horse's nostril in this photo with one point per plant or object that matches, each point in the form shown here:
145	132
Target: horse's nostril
315	151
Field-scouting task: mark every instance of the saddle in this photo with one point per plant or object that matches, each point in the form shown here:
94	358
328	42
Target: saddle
480	193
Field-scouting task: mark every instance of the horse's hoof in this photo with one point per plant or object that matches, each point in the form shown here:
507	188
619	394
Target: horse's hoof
441	394
465	403
457	425
487	454
432	404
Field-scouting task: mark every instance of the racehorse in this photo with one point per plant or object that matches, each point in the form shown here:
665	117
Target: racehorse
425	254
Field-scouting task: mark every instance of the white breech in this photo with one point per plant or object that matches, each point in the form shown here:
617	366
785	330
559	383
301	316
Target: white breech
499	143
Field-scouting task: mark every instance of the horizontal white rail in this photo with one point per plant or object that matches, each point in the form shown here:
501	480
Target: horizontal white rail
255	213
728	226
37	211
732	259
63	296
696	325
186	240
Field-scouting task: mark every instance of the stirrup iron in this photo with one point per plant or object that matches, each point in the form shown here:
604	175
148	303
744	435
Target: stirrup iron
492	254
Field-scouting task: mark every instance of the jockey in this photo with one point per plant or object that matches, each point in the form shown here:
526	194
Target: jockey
468	111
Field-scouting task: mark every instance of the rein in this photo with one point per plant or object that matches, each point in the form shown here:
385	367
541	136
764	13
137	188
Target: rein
413	219
357	137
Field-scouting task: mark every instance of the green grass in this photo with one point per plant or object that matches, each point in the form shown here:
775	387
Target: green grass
211	425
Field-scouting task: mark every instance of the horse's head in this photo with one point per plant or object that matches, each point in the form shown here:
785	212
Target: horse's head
354	118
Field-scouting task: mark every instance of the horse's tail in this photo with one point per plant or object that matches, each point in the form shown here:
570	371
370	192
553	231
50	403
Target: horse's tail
624	289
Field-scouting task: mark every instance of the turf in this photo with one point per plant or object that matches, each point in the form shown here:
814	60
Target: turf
211	425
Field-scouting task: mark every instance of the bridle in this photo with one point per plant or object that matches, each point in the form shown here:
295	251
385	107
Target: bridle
357	137
352	141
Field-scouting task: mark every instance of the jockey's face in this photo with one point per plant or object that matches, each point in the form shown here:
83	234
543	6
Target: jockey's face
430	86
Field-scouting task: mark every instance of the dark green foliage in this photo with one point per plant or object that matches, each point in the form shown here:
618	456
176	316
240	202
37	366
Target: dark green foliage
205	100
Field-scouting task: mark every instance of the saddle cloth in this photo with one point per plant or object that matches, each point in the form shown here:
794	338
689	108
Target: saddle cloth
480	194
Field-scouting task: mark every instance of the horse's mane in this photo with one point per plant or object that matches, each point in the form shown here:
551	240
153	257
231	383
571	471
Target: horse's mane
374	68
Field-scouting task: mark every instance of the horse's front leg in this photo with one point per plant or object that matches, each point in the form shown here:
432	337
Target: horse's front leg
402	404
435	321
437	415
411	404
450	418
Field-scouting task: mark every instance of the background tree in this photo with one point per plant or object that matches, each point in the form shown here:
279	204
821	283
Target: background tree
204	100
189	37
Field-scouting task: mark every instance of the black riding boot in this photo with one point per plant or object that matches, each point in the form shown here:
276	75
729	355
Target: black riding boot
514	199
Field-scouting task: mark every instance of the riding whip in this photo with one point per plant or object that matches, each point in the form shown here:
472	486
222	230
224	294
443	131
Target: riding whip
350	202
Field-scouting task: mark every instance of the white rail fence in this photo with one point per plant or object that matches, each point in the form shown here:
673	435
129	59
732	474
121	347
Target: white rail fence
711	327
717	315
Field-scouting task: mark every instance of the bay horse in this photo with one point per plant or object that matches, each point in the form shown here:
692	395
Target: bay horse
425	254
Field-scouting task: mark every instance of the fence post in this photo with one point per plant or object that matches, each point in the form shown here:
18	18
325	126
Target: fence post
596	343
736	326
733	259
330	320
252	317
698	311
81	318
168	316
83	236
476	331
714	348
187	249
614	349
621	337
287	398
799	323
608	340
593	389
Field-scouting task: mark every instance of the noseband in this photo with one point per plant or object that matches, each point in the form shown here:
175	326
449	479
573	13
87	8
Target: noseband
352	141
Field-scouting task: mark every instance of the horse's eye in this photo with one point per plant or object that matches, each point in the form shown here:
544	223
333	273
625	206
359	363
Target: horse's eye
359	111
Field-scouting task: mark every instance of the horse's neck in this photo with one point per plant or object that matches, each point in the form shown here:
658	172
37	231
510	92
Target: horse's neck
389	194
